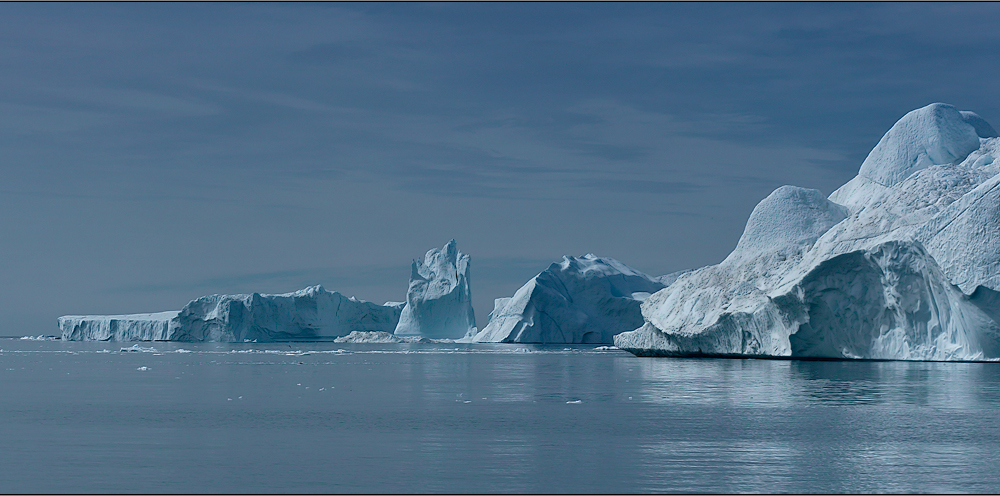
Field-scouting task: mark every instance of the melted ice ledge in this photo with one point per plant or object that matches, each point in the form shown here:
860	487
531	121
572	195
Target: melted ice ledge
902	262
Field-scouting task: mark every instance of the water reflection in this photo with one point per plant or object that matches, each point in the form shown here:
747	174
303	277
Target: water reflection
452	419
779	383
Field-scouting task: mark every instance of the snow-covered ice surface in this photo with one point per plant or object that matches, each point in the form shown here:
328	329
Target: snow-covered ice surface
312	313
584	299
439	299
902	262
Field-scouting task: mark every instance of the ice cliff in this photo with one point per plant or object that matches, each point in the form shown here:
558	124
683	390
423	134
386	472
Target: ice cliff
135	327
579	300
312	313
439	300
902	262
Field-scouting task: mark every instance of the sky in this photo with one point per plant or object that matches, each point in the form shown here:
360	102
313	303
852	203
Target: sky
154	153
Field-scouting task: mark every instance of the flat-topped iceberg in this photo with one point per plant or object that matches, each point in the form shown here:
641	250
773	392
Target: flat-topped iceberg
312	313
439	299
584	299
902	262
135	327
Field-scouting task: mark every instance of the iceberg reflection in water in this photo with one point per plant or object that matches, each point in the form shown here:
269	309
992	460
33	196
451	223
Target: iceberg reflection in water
446	418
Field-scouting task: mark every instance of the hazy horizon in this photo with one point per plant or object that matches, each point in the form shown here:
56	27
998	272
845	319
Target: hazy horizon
155	153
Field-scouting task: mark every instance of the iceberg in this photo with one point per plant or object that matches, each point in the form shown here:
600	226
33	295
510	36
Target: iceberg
584	299
135	327
902	262
439	299
312	313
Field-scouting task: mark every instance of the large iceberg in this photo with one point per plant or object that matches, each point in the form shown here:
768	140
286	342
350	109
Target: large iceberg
134	327
309	314
439	299
579	300
902	262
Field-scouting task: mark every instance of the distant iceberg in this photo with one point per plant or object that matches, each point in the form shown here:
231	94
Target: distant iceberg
312	313
135	327
584	299
439	298
902	262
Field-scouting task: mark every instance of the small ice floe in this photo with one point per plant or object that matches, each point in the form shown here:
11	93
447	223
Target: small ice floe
137	348
143	368
574	402
182	350
467	401
606	348
522	350
39	338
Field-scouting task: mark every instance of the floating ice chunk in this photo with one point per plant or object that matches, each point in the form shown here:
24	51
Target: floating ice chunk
574	402
369	337
385	337
439	298
606	348
138	349
143	368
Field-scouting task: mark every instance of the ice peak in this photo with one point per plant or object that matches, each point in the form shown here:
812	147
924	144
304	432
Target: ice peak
438	300
788	219
933	135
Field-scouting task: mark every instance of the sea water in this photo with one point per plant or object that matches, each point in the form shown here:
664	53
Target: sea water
454	418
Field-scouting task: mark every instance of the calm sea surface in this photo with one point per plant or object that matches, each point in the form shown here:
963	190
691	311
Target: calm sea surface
330	418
